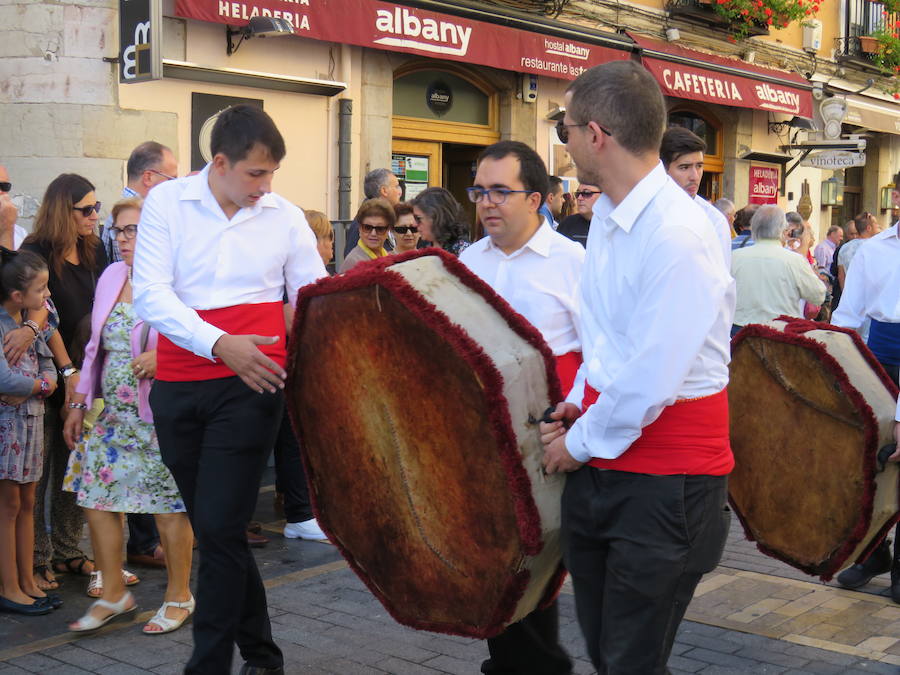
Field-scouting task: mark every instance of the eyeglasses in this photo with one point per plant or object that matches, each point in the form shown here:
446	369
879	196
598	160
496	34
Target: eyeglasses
164	175
586	194
403	229
86	210
496	196
562	130
130	231
5	186
380	229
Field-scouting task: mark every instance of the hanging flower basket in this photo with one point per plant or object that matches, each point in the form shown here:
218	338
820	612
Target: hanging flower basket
887	54
744	15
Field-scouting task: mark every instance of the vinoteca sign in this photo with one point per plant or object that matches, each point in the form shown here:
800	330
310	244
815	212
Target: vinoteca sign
383	25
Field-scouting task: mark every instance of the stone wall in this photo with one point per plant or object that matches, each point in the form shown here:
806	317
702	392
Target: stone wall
59	103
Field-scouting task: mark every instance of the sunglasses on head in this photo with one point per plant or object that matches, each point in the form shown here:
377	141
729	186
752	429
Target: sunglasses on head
380	229
5	186
86	210
403	229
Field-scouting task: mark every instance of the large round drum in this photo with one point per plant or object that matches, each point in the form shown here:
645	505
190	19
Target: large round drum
416	392
810	408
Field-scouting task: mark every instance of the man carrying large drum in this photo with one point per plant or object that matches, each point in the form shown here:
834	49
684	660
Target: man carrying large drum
643	512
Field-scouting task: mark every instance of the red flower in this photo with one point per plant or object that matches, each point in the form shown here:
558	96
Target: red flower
768	11
769	21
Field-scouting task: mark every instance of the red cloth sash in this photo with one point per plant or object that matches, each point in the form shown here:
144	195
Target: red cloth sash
689	437
174	364
567	366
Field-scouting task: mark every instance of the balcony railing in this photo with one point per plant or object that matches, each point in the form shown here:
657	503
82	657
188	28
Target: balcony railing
862	18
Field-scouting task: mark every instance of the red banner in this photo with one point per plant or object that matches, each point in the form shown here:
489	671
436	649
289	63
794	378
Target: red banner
763	184
382	25
696	83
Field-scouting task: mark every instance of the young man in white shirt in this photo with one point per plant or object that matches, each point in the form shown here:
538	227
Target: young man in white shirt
216	254
537	271
643	512
682	153
872	292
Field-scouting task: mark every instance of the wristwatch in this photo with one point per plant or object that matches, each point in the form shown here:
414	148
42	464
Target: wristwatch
67	371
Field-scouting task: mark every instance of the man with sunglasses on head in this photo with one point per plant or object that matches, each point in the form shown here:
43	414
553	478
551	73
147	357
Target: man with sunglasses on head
645	438
149	164
577	226
11	234
537	271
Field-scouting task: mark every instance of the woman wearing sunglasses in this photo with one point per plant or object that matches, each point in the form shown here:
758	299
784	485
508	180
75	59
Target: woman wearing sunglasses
376	219
406	232
64	235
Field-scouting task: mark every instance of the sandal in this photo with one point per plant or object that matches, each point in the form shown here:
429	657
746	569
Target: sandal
42	577
95	585
74	566
89	622
165	623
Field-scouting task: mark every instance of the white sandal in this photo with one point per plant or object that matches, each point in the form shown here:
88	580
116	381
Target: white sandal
168	625
89	622
95	585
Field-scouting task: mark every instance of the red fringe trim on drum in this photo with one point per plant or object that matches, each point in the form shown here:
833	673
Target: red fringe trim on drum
794	334
375	272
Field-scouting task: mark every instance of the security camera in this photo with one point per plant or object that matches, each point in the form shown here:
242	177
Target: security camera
818	91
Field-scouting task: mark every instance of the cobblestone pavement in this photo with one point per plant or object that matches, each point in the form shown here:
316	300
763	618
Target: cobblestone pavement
752	615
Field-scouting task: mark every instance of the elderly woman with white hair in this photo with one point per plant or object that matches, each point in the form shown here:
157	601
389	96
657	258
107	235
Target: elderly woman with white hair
770	279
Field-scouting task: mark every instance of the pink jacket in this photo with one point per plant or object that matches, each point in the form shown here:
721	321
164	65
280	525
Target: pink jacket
109	285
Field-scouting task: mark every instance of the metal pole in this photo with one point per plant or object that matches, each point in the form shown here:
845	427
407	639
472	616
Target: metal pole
345	115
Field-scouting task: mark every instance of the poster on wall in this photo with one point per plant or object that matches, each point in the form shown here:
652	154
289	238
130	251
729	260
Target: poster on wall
764	184
205	109
412	171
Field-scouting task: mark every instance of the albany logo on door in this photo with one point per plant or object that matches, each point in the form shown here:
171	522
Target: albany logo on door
407	30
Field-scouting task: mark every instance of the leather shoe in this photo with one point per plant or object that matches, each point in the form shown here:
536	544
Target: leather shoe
860	574
247	669
34	609
256	540
52	600
156	558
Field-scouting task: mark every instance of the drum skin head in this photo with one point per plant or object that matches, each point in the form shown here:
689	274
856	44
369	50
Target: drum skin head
406	471
804	438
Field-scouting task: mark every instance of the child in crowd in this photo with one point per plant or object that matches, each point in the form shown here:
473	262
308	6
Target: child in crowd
23	287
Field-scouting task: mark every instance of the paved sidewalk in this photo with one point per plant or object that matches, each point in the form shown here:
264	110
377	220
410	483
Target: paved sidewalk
752	615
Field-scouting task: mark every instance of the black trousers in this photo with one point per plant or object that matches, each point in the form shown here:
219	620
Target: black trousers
143	537
636	546
215	436
290	476
529	647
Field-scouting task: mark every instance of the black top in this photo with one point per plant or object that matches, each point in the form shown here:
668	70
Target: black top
73	291
575	227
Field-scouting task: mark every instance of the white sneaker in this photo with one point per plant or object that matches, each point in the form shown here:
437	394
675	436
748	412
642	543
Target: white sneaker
308	529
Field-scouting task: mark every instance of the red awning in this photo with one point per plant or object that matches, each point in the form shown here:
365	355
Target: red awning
396	27
696	76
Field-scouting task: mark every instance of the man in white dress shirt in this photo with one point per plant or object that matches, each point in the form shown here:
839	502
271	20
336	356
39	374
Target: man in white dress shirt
682	153
216	254
872	292
537	271
643	512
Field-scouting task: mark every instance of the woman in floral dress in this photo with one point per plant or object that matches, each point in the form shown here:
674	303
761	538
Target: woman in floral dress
119	469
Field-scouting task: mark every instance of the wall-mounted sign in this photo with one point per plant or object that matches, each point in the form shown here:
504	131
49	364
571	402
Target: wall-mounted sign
439	97
834	159
205	109
140	40
764	184
413	30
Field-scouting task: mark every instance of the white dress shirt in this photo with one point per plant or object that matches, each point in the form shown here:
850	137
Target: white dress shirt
657	307
720	223
872	286
190	256
541	281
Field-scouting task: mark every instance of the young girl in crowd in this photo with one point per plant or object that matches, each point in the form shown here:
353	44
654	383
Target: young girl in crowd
23	387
